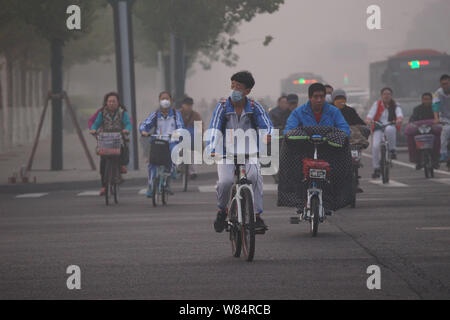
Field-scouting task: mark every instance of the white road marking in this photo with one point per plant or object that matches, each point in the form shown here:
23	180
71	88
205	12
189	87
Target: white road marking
407	164
392	183
441	180
433	228
89	193
31	195
142	191
390	199
207	188
212	188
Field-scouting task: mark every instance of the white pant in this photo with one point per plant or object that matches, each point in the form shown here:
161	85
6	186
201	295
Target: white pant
445	136
226	180
391	135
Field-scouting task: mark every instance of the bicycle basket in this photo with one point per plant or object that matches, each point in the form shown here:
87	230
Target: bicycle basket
109	144
159	152
316	169
424	141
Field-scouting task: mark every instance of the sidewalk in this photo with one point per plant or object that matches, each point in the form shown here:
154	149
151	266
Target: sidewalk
75	163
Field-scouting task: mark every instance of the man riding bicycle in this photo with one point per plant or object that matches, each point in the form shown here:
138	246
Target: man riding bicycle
238	112
316	115
163	122
317	112
384	111
441	108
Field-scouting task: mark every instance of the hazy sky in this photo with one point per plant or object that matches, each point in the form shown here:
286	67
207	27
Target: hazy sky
326	37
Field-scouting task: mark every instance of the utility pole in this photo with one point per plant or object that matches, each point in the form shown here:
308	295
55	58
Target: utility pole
125	67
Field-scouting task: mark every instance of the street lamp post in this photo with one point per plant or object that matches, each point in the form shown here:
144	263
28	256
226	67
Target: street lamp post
125	67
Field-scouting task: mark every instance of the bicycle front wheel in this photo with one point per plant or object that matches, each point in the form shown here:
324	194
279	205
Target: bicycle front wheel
235	234
428	164
107	180
354	187
115	191
384	165
185	176
248	225
315	206
155	194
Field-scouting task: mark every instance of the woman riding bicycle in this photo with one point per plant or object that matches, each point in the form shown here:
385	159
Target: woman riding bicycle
112	118
163	121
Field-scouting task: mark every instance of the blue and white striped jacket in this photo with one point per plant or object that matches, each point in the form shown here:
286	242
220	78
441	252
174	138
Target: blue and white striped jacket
224	117
165	126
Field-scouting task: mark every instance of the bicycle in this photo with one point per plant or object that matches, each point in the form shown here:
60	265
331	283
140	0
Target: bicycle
385	156
241	218
315	172
160	157
109	147
424	146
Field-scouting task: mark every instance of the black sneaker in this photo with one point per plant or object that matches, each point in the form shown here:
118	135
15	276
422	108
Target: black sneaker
393	155
418	166
359	190
219	223
376	174
259	224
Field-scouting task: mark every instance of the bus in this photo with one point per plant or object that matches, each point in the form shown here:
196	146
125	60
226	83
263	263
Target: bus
298	83
409	73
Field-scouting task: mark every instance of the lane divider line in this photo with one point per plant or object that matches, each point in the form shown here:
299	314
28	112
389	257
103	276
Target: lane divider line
401	163
31	195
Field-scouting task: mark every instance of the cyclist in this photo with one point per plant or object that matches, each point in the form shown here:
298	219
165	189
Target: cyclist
441	108
112	118
422	114
317	112
384	110
238	112
358	128
163	121
329	91
189	116
279	115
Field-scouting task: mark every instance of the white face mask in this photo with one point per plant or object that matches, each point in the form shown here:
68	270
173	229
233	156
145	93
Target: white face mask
164	103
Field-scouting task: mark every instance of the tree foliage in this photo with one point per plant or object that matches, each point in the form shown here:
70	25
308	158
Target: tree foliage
207	26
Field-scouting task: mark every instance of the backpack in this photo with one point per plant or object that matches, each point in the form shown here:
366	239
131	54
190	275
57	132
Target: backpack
252	118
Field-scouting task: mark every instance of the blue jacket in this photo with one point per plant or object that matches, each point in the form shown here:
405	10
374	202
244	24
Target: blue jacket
304	116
